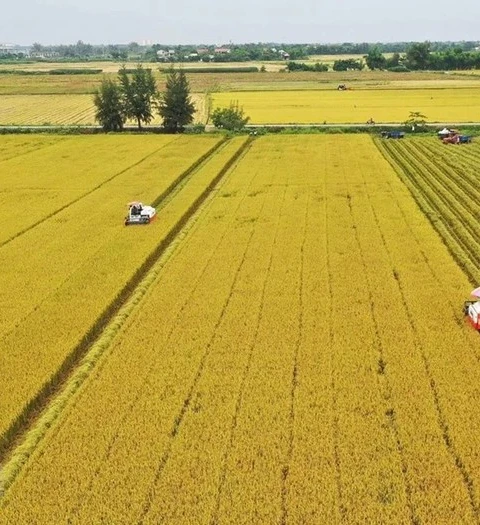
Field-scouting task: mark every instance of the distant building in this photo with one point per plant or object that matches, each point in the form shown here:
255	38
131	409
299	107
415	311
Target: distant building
44	54
203	50
222	50
13	49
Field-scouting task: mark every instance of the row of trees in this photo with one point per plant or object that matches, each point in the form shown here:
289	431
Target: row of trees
421	56
135	96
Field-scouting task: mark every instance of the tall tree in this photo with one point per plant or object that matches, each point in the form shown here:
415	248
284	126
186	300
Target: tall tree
176	107
109	108
418	56
375	58
139	94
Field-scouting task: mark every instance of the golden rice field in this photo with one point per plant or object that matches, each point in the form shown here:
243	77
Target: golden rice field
82	257
356	106
270	98
297	355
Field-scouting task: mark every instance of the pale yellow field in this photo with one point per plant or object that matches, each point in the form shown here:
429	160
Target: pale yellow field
61	110
356	106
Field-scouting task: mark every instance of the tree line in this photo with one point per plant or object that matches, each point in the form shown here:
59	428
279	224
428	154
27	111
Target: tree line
237	52
135	96
421	56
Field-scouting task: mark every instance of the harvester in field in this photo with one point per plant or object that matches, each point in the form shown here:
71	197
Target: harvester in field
139	214
472	309
394	134
453	136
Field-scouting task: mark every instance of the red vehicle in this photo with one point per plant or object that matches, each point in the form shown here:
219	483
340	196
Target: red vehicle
472	310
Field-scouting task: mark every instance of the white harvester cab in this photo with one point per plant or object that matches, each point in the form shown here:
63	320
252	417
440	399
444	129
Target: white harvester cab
472	310
139	214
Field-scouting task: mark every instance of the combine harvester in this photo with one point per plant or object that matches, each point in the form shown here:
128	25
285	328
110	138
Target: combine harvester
452	136
472	310
139	214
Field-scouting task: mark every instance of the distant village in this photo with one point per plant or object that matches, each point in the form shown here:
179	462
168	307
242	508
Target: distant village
152	52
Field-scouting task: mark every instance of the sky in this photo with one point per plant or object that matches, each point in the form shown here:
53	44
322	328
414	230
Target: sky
222	21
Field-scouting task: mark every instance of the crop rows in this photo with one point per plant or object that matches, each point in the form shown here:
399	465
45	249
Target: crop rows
70	282
301	358
444	181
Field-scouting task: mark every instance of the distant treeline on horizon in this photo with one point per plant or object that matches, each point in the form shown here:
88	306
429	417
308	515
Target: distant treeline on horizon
268	51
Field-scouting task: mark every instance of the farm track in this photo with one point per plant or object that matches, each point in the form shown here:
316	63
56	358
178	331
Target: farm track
453	216
36	407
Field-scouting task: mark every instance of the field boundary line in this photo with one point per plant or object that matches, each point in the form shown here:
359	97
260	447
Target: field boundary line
98	340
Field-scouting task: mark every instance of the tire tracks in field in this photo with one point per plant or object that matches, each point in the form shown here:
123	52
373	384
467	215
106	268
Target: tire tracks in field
294	382
36	149
440	414
160	202
177	424
243	382
383	382
131	407
32	416
333	382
